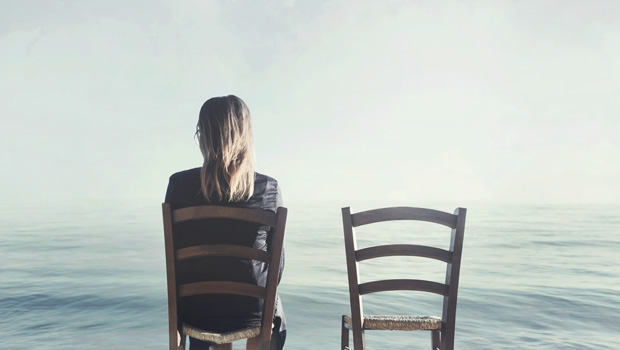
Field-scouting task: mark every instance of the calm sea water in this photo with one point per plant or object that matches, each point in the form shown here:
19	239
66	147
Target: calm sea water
532	277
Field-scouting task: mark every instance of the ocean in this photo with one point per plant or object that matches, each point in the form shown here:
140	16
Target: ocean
532	277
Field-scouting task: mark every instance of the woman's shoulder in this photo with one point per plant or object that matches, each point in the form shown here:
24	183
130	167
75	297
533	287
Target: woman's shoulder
185	175
265	184
264	178
267	192
183	186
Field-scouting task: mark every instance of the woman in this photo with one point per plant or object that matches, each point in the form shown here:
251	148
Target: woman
227	177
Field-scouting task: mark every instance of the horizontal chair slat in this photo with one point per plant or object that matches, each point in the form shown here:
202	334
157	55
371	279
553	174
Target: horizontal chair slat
403	250
223	250
258	216
221	287
403	284
403	213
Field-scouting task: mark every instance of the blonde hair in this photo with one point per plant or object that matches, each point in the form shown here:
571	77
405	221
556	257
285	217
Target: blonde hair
224	133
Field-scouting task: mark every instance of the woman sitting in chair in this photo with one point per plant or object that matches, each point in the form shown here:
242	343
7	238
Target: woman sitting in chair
227	178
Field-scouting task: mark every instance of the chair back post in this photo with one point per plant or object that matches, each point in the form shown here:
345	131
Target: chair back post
452	280
353	273
272	279
173	321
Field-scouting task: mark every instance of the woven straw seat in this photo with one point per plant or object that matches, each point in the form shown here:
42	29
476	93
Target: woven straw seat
221	338
397	323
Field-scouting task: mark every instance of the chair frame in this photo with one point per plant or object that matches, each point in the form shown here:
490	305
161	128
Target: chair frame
442	339
172	217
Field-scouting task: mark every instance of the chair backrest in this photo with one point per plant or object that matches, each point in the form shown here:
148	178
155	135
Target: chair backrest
452	257
174	219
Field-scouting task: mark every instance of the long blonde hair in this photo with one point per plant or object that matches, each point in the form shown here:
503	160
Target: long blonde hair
224	133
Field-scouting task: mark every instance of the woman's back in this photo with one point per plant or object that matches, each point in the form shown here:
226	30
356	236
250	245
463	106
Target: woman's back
217	312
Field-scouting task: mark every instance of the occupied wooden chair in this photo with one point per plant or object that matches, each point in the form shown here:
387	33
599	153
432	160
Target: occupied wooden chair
175	218
442	328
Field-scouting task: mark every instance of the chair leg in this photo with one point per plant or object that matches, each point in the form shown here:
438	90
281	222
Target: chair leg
359	339
256	344
174	339
344	340
447	339
228	346
252	344
182	341
435	339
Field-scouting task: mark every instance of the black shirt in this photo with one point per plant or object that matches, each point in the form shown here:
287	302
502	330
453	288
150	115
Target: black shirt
221	313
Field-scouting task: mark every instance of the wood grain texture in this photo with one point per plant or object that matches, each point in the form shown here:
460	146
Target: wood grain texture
272	277
357	310
403	284
403	213
223	250
221	287
452	279
173	321
258	216
403	250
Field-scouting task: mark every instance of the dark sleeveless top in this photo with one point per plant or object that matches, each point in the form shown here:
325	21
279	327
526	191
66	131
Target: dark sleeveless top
216	312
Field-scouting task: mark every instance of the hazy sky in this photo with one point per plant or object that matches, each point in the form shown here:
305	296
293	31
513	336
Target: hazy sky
408	101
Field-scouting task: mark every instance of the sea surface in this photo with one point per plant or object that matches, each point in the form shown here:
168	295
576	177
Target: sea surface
92	276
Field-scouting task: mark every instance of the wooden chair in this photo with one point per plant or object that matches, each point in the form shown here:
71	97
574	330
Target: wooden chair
442	328
175	218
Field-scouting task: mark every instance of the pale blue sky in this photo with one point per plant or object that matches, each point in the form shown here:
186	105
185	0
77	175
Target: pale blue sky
404	101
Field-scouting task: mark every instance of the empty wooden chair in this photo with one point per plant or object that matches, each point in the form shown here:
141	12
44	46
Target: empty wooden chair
173	223
442	328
